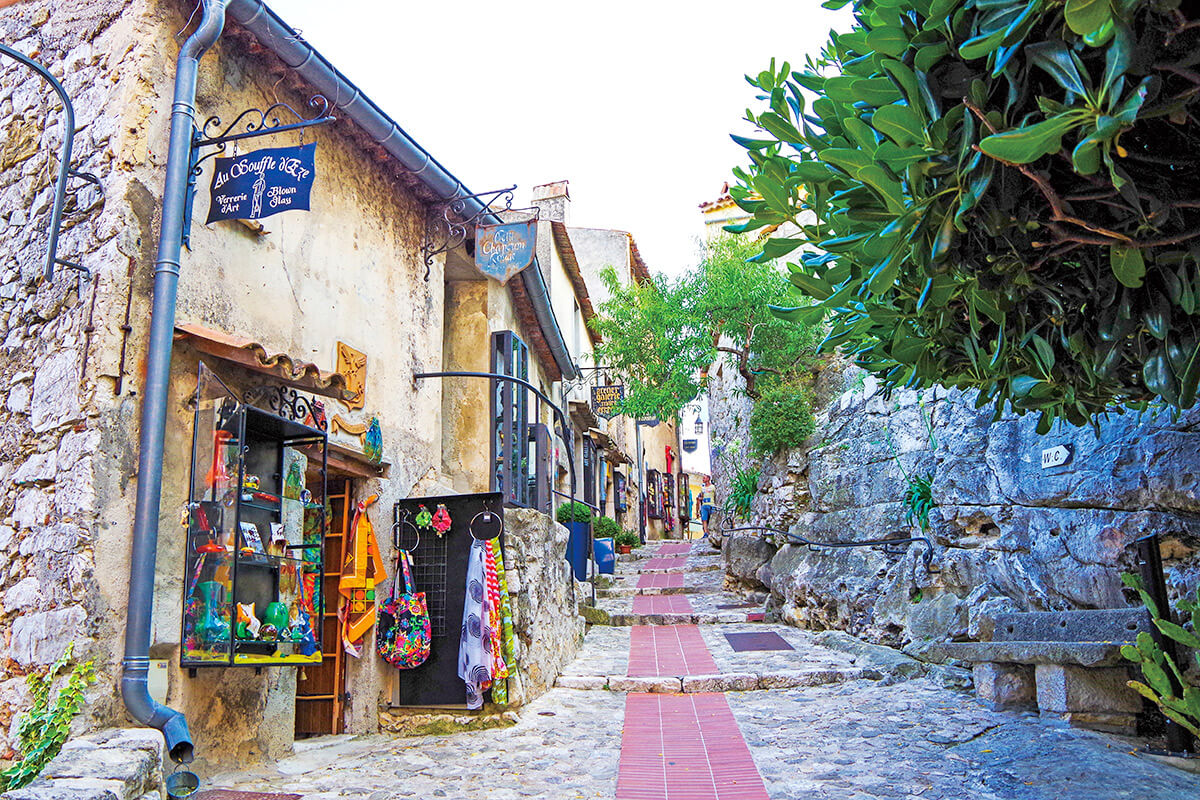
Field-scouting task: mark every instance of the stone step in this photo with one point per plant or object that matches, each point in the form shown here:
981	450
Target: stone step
598	616
723	682
681	570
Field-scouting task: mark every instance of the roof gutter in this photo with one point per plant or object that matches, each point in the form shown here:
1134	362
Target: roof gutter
277	36
155	392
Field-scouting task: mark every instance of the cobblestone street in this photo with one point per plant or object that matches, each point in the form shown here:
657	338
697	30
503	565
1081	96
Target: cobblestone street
676	710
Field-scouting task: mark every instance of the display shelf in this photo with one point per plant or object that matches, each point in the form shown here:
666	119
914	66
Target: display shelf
253	589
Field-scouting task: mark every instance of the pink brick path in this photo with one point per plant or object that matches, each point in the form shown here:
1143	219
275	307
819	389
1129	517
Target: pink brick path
660	580
684	747
668	650
674	549
669	562
662	604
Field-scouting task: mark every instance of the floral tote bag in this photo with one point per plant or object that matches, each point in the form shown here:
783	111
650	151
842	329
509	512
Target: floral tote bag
403	633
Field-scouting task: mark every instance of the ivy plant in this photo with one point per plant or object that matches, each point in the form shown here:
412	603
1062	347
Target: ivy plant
44	728
1000	195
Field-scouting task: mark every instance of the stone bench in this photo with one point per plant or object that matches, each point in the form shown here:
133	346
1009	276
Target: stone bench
1067	663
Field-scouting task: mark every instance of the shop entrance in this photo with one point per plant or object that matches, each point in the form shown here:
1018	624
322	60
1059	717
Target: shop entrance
321	690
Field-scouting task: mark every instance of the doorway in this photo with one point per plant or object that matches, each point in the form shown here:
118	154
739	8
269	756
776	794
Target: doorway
321	690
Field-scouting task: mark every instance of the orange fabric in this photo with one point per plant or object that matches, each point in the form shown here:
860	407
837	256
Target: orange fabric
362	571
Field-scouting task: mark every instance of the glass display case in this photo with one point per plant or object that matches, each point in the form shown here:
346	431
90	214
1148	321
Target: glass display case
255	523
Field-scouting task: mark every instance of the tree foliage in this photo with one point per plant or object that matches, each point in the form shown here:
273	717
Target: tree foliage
1001	195
663	336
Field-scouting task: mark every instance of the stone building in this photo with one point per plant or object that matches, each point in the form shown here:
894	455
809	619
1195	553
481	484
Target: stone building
584	253
328	311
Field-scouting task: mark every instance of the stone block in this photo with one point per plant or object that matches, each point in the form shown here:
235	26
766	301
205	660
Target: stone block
621	683
582	682
727	682
1098	625
42	638
37	468
40	790
1064	689
1005	686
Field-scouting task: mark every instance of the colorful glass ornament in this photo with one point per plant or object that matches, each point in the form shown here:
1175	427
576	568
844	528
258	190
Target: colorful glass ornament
441	519
373	441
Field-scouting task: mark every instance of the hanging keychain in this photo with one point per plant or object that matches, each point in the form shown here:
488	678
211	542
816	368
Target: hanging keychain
441	520
424	519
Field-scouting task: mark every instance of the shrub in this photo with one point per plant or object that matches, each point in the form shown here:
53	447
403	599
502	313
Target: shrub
606	528
742	491
782	418
43	729
994	196
628	538
573	512
1155	663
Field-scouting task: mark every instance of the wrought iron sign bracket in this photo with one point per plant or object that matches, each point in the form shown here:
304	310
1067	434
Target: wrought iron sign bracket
447	225
257	122
65	170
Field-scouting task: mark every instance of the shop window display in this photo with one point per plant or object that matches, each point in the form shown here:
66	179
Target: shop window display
255	526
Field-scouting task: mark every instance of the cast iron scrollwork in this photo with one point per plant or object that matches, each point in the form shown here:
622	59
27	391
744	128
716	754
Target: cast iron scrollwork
286	402
448	224
262	122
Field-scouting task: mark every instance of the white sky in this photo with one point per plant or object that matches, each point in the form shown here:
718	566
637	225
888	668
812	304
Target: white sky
632	102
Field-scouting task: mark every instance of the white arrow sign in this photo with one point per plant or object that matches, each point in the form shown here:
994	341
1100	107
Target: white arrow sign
1056	456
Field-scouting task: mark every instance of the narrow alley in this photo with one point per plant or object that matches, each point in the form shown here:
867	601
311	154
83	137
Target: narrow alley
681	692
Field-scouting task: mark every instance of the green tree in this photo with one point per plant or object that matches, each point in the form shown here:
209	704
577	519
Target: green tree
664	335
1001	196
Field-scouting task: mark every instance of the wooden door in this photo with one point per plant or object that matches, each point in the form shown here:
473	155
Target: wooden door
321	690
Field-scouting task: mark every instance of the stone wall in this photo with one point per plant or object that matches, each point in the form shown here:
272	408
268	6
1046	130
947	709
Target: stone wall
57	357
1008	534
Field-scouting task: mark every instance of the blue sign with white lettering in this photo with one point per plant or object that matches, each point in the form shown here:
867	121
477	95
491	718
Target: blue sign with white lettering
262	183
502	251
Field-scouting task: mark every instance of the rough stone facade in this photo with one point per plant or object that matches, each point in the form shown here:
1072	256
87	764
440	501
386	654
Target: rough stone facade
1008	534
58	362
74	348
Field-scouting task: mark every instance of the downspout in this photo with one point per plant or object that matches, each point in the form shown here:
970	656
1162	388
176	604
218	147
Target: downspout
277	36
136	666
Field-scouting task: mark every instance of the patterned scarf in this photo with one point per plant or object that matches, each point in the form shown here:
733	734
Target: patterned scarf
499	668
507	637
475	661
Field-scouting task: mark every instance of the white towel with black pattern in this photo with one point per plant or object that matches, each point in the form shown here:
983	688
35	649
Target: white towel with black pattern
475	646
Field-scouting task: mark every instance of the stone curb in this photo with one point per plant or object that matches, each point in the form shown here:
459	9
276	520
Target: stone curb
629	620
725	682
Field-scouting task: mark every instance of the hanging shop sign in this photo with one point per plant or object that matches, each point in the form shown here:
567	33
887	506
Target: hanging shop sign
501	251
607	399
262	183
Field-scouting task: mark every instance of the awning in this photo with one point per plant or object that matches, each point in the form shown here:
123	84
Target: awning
582	415
602	439
254	356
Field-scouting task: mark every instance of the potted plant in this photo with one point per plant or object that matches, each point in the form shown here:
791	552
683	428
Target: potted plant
577	518
604	533
626	541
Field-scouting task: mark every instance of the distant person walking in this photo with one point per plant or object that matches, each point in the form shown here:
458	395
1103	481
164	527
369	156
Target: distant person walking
707	500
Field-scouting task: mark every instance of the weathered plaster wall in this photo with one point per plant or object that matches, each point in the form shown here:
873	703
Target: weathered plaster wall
466	460
1008	534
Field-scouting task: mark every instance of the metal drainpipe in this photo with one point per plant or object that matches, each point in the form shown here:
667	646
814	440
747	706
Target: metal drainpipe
134	687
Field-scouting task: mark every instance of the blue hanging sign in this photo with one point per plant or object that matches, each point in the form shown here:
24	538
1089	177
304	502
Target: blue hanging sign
262	183
501	251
